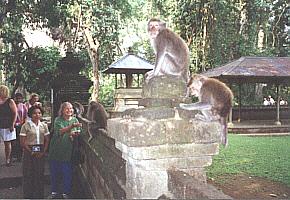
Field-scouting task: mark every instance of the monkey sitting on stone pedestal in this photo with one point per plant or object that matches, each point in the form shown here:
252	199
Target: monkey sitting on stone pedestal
215	101
172	54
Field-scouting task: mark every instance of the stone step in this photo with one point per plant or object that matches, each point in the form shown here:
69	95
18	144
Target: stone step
245	130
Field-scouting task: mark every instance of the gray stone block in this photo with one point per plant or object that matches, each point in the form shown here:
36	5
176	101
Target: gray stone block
164	87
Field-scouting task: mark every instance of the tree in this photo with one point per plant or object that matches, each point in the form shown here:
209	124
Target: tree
61	17
18	59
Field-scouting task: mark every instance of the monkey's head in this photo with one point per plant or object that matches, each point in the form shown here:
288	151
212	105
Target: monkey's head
154	26
78	108
195	83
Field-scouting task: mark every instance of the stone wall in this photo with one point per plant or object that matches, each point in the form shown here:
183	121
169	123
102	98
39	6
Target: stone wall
135	158
104	168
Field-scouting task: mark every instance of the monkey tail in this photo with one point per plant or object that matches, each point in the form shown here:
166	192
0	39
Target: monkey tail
224	136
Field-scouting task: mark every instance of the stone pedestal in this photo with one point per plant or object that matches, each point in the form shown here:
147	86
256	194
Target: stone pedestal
162	137
126	98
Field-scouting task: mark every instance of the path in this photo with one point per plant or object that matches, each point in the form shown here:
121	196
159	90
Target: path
11	180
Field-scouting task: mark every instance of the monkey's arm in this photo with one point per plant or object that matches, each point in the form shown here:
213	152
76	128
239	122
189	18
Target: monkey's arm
196	106
160	56
89	125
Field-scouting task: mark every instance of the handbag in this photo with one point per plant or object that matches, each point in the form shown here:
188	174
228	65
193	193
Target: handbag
77	156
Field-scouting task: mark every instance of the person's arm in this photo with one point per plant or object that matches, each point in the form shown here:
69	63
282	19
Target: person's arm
13	108
23	142
46	143
25	112
77	128
46	139
65	129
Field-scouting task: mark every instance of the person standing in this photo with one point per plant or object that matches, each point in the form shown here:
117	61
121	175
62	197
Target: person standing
34	138
33	100
66	128
8	112
20	120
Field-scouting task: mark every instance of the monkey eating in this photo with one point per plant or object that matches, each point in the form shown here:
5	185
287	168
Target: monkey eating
172	54
215	101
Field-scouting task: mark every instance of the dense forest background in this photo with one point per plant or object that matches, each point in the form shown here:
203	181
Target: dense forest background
101	31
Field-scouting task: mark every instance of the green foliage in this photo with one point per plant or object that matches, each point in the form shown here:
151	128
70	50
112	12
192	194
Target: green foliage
107	88
256	156
34	68
215	31
42	69
106	29
250	96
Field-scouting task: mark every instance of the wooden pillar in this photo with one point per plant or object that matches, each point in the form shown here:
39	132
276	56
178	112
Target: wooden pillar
240	102
278	105
121	81
129	80
116	81
230	122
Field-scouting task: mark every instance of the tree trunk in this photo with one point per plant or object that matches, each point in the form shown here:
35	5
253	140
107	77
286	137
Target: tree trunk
261	36
93	46
259	91
243	19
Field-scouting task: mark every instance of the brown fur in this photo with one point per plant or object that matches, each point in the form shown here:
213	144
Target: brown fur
217	94
170	47
97	114
98	117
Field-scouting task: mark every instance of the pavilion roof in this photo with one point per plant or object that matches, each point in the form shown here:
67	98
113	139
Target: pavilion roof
254	69
129	64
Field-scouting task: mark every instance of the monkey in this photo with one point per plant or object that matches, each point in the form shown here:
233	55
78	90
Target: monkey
98	117
78	109
172	53
215	101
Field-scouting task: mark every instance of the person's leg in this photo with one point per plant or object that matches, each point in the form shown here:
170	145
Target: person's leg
18	148
13	149
54	175
67	177
8	152
38	177
8	136
27	170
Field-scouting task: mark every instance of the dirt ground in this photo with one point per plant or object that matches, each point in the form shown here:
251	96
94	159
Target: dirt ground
245	187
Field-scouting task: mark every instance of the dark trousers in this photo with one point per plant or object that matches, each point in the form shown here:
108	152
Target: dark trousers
33	176
16	147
